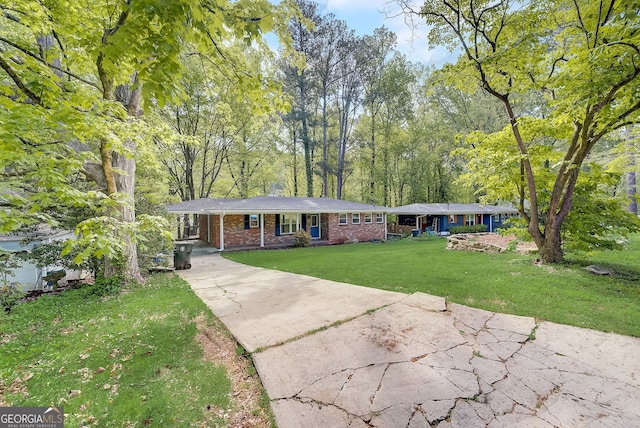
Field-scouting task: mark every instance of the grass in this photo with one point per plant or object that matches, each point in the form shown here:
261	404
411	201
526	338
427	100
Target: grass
507	283
125	360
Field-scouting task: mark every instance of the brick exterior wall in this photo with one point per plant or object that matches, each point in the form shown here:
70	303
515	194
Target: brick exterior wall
340	234
235	235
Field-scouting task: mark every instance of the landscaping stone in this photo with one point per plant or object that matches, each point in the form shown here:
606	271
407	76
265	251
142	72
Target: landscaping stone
597	270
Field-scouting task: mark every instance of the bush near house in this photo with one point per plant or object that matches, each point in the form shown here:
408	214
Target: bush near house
476	228
302	238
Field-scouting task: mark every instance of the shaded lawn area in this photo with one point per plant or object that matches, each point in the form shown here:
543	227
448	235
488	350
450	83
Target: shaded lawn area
506	283
125	360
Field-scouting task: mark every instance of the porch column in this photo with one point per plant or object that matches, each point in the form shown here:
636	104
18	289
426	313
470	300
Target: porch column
491	223
261	230
221	232
209	228
384	218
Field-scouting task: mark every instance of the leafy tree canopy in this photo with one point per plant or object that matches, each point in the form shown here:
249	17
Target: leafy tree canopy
582	58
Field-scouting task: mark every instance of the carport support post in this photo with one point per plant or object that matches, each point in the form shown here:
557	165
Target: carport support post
261	230
221	232
386	231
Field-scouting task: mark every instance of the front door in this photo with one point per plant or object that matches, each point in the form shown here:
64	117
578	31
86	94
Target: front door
315	225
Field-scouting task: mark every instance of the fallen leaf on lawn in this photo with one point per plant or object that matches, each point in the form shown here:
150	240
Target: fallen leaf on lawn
100	369
74	393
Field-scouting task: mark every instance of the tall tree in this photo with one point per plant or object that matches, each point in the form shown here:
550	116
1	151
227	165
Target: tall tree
583	55
396	109
298	78
348	100
329	38
381	44
110	56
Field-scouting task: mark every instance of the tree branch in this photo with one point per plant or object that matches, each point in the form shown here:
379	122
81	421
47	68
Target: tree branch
42	61
19	83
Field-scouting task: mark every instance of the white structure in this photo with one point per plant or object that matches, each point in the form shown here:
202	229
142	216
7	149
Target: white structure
28	275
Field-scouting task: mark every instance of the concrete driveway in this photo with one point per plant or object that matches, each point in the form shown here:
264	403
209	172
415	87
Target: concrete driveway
339	355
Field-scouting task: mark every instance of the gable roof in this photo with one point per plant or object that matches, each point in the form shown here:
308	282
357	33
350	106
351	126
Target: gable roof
449	209
271	204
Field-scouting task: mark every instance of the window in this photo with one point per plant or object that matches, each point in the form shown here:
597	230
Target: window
355	218
288	223
342	219
470	220
452	219
253	221
368	218
379	218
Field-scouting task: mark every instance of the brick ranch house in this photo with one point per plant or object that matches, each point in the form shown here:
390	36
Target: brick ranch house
270	221
440	217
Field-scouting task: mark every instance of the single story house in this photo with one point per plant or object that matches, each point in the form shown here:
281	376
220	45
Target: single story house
440	217
268	221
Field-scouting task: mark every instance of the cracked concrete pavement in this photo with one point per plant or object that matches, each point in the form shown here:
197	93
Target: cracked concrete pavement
339	355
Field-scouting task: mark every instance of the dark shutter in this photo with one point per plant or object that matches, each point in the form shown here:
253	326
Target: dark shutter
304	221
246	221
277	224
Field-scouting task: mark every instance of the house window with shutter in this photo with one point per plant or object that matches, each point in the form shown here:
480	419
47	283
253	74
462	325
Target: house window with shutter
251	221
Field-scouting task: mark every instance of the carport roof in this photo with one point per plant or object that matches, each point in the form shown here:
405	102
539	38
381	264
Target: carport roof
271	204
448	209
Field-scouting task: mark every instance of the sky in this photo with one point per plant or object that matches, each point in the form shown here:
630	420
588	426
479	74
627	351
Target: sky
364	16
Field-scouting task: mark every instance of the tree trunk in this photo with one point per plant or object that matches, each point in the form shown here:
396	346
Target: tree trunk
125	185
632	189
551	246
325	156
372	173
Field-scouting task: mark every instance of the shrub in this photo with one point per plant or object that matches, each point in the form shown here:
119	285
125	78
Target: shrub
301	238
9	296
476	228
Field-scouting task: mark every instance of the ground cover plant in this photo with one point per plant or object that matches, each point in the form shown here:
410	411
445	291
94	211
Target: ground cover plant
508	283
132	358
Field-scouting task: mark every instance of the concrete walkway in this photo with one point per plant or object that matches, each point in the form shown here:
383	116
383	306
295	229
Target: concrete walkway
339	355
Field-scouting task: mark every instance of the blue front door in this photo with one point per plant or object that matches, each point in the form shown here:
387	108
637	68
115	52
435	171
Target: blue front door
315	225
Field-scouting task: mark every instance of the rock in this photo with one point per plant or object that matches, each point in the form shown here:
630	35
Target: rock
597	270
470	242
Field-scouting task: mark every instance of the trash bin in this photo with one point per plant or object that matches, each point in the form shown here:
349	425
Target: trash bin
415	232
182	255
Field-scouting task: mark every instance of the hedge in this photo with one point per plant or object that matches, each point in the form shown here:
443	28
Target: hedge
476	228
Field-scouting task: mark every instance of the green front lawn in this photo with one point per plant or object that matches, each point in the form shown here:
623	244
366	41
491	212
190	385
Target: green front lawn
126	360
507	283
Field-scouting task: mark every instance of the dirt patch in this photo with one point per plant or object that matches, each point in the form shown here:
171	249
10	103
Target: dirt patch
219	347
